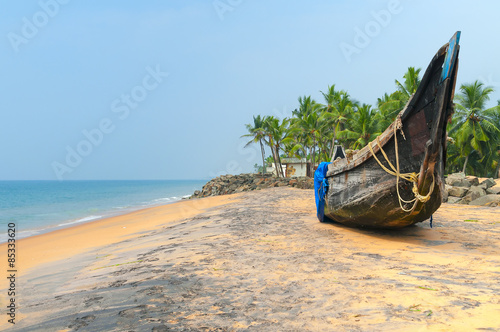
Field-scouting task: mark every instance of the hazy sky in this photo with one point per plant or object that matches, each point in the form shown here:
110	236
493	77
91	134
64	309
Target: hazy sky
156	89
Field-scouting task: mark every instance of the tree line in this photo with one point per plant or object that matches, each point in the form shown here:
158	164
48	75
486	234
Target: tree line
316	127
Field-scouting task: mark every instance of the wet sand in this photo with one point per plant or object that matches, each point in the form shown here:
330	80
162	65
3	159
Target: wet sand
260	261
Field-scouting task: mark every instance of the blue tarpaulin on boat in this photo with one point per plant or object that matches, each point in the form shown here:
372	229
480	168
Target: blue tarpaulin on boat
320	189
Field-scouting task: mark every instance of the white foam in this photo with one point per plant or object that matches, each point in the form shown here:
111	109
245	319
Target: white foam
165	199
89	218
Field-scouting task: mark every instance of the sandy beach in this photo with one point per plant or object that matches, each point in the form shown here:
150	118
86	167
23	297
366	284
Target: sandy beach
258	261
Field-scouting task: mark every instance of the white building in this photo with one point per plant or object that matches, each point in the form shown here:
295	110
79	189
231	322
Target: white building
292	167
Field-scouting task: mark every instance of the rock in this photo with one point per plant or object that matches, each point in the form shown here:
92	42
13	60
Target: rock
494	190
455	179
457	191
453	200
473	180
229	184
305	183
474	193
487	200
259	181
460	180
445	196
488	183
477	189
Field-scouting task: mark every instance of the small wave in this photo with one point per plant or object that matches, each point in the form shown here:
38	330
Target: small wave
165	199
20	235
160	201
89	218
24	234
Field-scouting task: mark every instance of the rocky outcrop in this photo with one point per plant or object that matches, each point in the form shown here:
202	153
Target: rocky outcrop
471	190
230	184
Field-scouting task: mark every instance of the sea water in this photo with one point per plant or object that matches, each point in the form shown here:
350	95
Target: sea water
40	206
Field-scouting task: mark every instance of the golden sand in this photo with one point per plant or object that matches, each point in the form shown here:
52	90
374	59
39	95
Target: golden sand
261	261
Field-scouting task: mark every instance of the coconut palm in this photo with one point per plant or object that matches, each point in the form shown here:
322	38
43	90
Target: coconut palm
362	127
410	83
302	141
388	108
493	157
277	133
337	110
309	129
390	105
473	127
258	134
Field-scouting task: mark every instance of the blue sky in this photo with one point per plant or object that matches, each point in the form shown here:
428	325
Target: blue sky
162	89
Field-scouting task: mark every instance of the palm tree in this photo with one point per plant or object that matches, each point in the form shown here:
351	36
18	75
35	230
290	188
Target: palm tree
390	105
388	108
258	134
493	157
302	143
310	129
305	106
339	107
473	127
362	127
410	84
278	134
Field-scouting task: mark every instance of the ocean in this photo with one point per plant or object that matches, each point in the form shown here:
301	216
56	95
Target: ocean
41	206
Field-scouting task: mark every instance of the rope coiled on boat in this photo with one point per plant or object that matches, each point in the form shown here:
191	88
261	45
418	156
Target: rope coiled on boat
410	177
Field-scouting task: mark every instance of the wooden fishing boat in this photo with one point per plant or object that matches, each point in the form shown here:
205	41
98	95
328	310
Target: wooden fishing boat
397	180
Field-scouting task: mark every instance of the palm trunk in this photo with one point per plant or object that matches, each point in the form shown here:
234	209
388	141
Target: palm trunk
333	143
279	161
313	159
465	164
263	157
308	158
497	172
273	152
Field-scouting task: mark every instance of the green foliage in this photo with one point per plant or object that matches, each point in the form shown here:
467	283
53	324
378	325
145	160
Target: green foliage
258	134
475	133
315	128
362	127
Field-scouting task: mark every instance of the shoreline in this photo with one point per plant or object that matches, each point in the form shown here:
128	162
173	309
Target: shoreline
259	260
123	225
71	204
103	215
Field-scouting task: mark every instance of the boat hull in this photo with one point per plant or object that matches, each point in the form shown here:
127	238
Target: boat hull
362	194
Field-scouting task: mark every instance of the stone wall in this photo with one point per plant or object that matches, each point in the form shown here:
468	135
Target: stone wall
230	184
471	190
